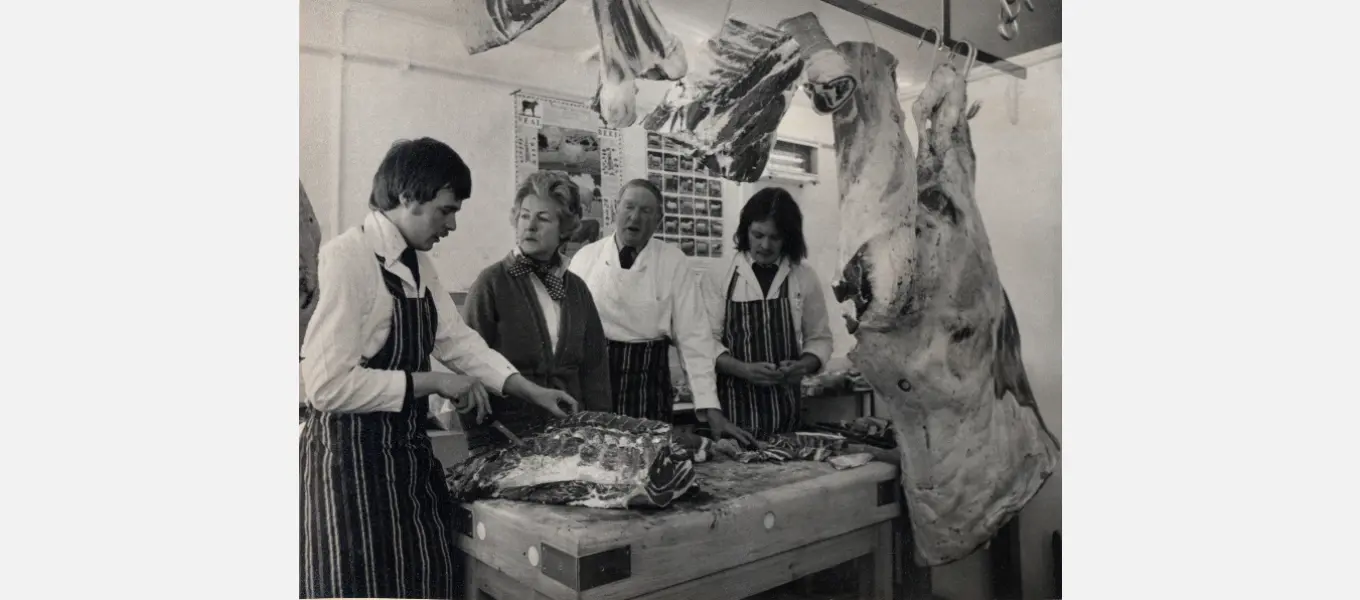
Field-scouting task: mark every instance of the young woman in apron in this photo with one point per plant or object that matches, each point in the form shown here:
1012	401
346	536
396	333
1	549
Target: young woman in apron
375	512
768	311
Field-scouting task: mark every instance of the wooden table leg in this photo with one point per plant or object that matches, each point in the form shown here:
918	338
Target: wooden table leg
469	577
876	568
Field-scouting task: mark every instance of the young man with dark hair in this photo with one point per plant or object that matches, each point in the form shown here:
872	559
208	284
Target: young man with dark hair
375	509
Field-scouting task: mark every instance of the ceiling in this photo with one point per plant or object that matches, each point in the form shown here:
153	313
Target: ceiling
571	28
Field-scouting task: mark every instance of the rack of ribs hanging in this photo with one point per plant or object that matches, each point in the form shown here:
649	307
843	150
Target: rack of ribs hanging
1010	18
726	110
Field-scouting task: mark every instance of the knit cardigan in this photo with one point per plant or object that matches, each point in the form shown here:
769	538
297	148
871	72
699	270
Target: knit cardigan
504	309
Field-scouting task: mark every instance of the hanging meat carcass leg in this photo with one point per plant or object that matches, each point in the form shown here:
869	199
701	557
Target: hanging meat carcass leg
935	333
633	45
486	24
309	246
829	82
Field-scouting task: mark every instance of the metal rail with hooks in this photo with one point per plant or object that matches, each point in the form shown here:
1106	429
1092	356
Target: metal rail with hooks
895	22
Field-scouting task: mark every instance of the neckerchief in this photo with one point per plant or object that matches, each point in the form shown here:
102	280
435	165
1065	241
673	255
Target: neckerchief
547	272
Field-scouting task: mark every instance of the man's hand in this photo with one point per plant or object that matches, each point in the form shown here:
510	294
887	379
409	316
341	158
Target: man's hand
553	400
473	396
762	373
720	426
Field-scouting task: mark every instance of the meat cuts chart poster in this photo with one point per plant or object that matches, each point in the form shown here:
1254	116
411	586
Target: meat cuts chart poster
552	134
693	199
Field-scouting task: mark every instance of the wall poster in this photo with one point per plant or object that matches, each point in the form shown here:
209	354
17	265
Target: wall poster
692	202
552	134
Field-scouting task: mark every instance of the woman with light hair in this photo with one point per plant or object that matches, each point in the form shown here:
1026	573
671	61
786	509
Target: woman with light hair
537	314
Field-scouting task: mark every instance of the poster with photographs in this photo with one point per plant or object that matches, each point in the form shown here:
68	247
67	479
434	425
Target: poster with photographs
552	134
692	199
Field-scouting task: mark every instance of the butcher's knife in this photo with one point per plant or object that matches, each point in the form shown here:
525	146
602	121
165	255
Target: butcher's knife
514	439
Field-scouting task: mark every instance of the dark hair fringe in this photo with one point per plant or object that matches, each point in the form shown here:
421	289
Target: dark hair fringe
418	170
774	203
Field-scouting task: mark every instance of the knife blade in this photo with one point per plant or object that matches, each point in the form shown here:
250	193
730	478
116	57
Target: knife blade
514	439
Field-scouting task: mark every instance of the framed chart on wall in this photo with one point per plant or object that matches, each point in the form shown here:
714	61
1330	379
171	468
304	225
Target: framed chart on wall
692	199
552	134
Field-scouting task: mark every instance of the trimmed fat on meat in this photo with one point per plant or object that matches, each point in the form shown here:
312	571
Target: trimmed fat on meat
935	333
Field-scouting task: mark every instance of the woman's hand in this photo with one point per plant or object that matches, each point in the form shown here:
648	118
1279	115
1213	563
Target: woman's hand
720	426
552	400
549	399
793	371
761	373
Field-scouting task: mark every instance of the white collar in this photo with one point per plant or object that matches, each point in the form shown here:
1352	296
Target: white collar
384	237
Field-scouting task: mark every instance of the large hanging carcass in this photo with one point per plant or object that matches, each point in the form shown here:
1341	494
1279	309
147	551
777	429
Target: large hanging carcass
935	333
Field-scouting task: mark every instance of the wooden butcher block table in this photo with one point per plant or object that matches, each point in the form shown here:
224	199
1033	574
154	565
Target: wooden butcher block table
754	527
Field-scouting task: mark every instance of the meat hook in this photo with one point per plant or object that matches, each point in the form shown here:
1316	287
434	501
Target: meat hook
1010	15
939	42
1008	29
972	56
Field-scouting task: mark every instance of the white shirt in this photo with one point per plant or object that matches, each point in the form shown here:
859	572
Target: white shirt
552	310
658	297
811	323
354	317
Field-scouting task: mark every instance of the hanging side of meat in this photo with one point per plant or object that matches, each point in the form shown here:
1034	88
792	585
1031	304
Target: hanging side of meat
633	45
829	81
728	107
487	24
309	246
935	333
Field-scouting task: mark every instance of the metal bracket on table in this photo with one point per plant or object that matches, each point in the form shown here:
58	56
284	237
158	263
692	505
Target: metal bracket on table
462	520
586	572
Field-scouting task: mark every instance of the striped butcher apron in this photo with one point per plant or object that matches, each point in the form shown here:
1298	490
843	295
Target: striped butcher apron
375	508
641	375
760	331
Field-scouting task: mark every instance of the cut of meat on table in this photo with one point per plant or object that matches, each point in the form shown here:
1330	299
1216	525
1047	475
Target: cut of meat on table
309	246
486	24
936	336
829	80
633	45
593	459
728	107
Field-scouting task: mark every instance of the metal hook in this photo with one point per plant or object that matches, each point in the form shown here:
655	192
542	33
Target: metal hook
972	56
1008	29
939	43
1009	16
